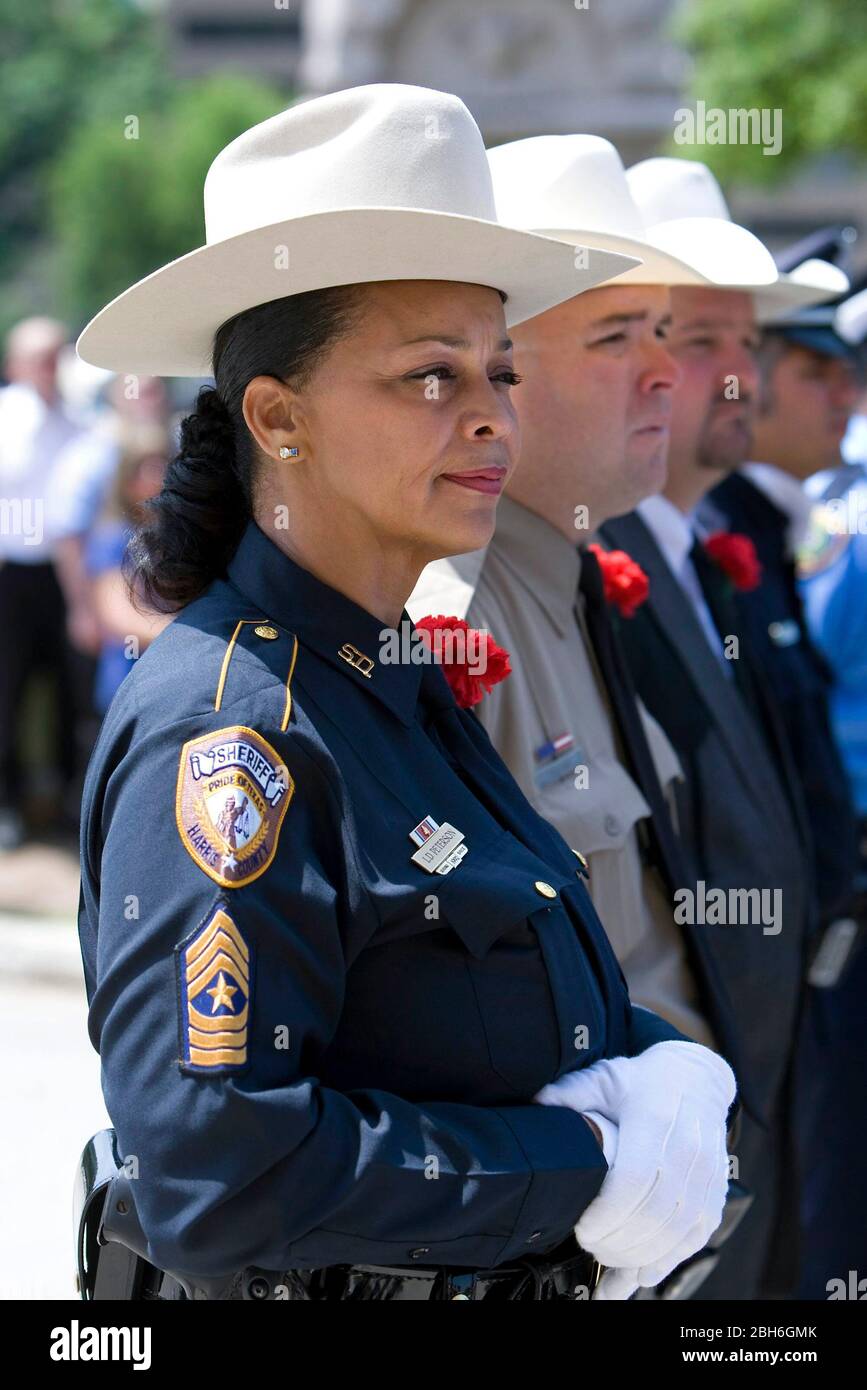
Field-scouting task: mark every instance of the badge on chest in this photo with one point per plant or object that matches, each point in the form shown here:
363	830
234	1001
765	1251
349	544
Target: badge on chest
441	847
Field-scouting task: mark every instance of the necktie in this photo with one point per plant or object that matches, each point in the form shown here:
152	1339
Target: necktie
723	609
664	848
750	679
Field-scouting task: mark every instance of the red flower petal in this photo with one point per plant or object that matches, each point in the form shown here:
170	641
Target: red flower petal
626	584
462	653
736	556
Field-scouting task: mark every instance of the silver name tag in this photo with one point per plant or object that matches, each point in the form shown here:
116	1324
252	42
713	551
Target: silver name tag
442	851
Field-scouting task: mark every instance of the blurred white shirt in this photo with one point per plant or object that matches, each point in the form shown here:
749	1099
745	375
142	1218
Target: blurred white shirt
675	534
32	436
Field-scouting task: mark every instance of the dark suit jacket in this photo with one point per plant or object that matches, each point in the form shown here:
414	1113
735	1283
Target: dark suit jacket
773	621
740	814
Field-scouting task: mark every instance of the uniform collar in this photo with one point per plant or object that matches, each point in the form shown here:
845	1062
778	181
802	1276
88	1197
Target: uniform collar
786	494
326	620
544	561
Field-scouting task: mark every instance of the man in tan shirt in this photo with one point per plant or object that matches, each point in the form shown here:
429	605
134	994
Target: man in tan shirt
593	404
523	589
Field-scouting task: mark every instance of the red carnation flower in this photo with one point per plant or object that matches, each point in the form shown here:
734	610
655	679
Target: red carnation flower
459	648
626	584
736	556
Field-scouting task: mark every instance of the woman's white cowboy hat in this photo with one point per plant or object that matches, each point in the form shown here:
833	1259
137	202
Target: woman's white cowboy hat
574	188
381	182
684	210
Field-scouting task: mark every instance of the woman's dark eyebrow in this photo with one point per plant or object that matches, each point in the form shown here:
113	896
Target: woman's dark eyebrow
502	346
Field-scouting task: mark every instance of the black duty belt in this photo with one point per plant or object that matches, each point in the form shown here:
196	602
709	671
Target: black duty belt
572	1279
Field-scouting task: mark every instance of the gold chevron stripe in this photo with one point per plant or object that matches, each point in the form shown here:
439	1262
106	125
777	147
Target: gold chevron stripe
221	921
216	1023
211	968
221	1040
218	1056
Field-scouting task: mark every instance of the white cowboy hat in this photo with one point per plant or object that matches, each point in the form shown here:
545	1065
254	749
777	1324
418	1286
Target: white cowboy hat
574	188
685	212
381	182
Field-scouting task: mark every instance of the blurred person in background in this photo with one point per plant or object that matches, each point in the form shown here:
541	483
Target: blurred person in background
35	426
84	484
124	630
86	474
833	584
808	389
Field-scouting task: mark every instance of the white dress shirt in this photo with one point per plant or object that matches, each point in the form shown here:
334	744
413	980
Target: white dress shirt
675	534
32	435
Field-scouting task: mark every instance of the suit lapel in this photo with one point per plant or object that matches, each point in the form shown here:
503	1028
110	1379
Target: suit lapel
672	614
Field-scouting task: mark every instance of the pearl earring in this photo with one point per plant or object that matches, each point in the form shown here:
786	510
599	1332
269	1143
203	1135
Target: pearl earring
287	453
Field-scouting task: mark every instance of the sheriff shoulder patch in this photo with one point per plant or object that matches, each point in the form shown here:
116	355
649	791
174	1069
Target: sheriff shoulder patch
233	792
214	996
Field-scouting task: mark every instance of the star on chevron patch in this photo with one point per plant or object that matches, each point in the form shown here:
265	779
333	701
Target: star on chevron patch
214	996
232	795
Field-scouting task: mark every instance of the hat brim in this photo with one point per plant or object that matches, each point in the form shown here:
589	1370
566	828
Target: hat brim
657	267
725	255
729	257
791	293
164	325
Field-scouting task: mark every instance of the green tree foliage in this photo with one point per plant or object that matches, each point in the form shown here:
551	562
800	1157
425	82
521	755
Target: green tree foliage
807	58
63	62
85	208
126	193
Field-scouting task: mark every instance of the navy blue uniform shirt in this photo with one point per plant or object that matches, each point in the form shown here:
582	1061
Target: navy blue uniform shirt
315	1049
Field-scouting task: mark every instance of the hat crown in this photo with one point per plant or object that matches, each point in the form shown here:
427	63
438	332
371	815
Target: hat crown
555	183
665	189
381	145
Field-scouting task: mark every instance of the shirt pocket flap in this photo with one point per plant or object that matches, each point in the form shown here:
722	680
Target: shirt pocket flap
497	884
612	806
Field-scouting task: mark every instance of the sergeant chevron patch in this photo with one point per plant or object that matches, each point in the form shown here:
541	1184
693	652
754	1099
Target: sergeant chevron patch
232	795
214	994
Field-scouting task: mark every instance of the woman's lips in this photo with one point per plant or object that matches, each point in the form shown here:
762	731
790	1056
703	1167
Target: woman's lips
479	479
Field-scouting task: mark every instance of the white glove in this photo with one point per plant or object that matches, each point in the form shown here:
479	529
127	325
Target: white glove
607	1128
663	1196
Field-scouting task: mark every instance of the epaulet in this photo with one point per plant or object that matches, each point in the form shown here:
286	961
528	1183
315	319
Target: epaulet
825	542
255	647
447	586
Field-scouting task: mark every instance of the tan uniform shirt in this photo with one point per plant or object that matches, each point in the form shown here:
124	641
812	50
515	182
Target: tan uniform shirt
523	588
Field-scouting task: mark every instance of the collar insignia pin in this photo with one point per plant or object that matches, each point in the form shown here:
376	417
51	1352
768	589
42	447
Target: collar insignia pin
356	659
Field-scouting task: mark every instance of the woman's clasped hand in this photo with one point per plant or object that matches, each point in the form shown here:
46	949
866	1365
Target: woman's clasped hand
664	1192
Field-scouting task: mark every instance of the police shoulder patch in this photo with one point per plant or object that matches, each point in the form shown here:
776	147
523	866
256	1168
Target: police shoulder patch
826	540
232	794
214	969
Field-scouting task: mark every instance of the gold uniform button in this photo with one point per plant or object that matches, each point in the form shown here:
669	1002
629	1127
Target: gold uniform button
269	633
545	889
581	860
